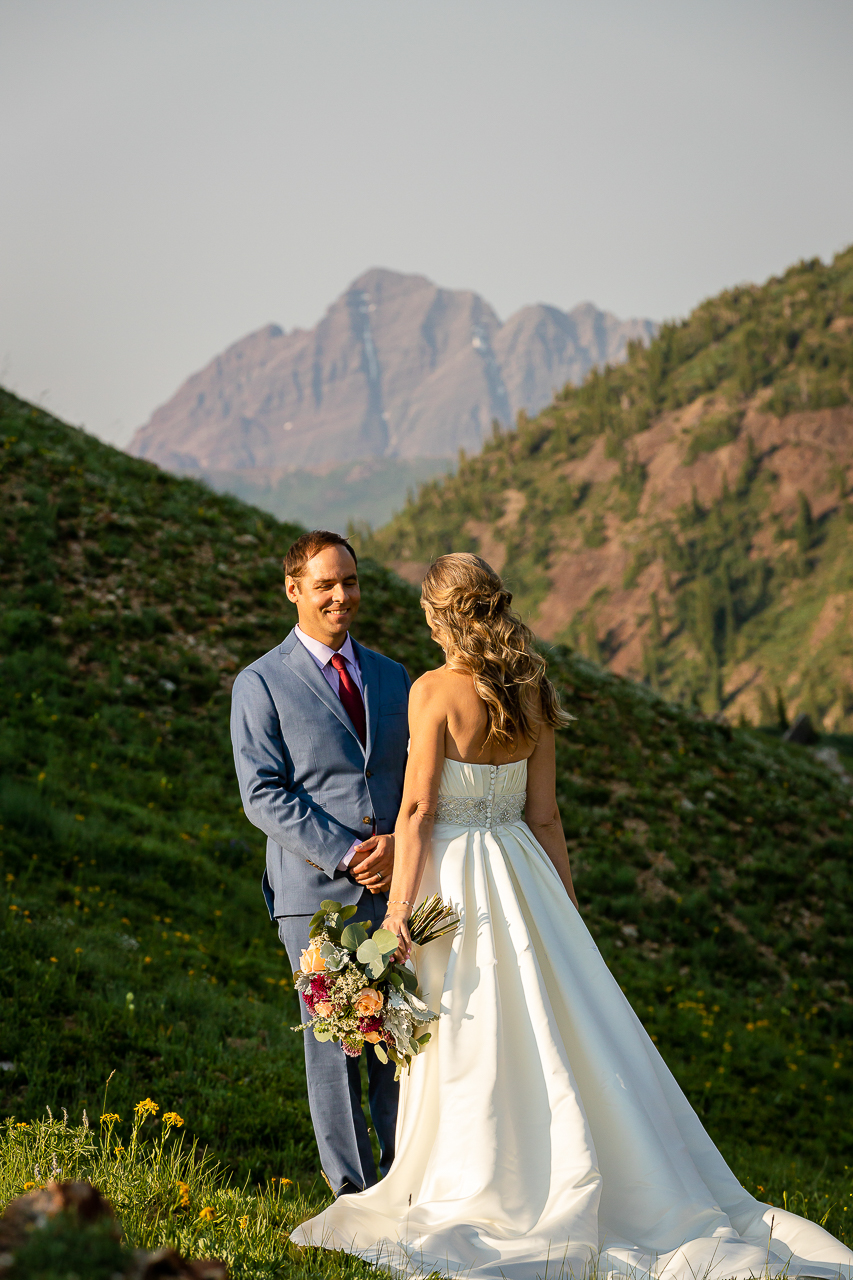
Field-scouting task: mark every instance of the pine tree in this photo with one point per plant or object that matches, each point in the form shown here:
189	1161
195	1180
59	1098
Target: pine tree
730	622
781	712
705	620
593	648
804	526
766	711
655	626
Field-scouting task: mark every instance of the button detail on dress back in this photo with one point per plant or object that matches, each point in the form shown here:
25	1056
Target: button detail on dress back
493	773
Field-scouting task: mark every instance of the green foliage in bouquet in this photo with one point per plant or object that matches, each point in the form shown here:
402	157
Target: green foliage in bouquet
354	989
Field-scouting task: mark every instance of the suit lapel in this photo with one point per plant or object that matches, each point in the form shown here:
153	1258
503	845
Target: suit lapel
303	665
370	679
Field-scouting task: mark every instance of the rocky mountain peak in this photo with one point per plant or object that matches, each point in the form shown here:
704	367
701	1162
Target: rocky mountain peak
397	368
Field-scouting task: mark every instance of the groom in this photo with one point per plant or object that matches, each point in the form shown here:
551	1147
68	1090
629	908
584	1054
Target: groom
320	731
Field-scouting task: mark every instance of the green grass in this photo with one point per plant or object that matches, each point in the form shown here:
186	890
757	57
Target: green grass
166	1192
713	864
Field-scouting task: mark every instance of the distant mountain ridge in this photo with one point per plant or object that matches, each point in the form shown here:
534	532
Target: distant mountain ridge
398	368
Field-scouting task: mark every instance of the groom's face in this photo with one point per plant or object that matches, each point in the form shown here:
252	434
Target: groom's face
327	595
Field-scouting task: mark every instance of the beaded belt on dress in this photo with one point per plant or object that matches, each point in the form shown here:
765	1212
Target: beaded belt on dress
482	811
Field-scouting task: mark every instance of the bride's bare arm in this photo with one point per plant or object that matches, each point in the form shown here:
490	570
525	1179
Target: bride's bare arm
541	813
413	833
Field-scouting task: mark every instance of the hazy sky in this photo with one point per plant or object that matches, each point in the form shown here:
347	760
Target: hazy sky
176	173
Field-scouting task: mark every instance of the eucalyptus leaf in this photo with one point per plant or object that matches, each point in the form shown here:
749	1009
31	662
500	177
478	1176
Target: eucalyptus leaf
380	1053
367	951
372	958
327	906
353	937
423	1039
386	941
346	913
321	1035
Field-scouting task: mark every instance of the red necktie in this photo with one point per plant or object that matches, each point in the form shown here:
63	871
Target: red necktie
351	699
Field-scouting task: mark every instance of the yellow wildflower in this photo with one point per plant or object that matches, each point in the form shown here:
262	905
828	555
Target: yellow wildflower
243	1222
172	1118
28	1186
109	1117
207	1213
147	1108
185	1194
22	1124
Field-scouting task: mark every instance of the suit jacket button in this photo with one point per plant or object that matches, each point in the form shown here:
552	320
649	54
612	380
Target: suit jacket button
368	774
367	819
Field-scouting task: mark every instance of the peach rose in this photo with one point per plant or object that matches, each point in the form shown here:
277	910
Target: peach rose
323	1008
372	1037
369	1003
311	961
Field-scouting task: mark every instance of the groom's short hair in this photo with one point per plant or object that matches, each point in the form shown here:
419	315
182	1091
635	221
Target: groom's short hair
308	546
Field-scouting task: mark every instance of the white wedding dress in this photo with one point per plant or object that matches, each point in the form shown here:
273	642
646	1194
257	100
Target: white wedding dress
540	1131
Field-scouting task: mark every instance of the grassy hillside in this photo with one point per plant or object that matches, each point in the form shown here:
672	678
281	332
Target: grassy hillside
685	518
130	599
713	865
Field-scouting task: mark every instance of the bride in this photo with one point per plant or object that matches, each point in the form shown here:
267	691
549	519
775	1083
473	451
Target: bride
540	1131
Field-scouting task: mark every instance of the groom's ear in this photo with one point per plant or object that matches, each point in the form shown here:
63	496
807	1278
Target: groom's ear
291	588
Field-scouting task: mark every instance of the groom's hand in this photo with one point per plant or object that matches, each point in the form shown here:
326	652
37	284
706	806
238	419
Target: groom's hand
373	862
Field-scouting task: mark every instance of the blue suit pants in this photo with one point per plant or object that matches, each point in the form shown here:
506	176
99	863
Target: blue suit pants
334	1082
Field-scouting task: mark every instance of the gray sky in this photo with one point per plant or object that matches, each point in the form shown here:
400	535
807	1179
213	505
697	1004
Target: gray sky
176	173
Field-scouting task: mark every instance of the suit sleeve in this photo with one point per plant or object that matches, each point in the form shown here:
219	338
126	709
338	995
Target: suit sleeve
288	819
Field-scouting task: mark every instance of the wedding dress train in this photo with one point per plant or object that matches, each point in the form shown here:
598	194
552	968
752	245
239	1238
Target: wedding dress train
540	1132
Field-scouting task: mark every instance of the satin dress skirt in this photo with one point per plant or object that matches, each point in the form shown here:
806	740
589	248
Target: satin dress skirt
540	1131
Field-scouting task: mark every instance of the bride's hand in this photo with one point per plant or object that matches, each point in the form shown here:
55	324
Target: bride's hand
398	923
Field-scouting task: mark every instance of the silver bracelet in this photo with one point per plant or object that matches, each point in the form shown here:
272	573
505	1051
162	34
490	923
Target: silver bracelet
398	902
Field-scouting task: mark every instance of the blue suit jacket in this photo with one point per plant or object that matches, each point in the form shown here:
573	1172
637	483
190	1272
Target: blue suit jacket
305	779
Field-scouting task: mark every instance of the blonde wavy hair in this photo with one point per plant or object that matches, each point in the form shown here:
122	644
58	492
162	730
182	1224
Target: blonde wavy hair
468	609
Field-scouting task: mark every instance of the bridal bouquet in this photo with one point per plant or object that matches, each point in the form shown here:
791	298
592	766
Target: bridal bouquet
356	993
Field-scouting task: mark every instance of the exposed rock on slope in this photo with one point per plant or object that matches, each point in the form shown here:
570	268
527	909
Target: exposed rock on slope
397	368
686	517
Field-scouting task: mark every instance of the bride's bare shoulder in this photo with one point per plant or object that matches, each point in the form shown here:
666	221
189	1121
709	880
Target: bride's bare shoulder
443	686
